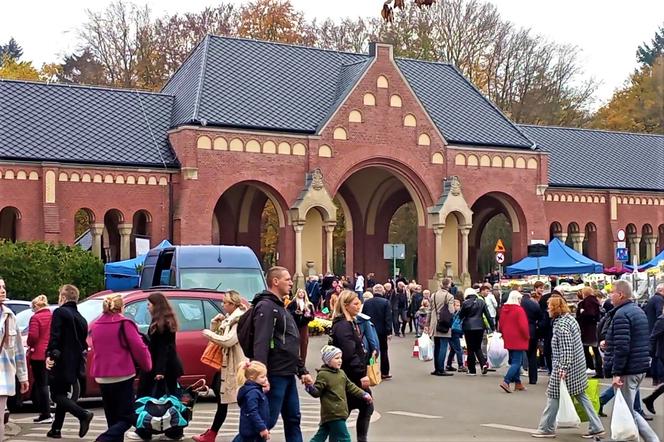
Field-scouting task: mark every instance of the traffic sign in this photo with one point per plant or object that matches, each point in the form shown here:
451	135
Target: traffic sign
621	245
621	235
500	257
499	247
622	254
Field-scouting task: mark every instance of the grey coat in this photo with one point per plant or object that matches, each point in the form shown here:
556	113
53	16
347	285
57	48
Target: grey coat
567	356
439	300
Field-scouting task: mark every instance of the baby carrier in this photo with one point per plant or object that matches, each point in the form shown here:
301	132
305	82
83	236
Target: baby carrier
168	412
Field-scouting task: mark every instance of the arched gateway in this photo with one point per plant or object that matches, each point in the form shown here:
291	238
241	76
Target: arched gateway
315	159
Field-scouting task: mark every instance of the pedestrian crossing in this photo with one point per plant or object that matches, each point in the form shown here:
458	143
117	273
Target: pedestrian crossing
203	416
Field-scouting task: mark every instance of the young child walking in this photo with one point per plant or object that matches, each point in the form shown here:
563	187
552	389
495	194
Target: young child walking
254	407
331	387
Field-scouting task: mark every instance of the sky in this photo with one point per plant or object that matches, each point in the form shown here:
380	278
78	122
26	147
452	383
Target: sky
607	32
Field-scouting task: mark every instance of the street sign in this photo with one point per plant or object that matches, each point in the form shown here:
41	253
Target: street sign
621	235
621	245
499	247
500	257
537	241
394	251
622	254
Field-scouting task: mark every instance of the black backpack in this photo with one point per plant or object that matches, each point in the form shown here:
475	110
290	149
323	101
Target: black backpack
245	332
444	318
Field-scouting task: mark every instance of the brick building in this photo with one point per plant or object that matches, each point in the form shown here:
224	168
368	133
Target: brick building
315	132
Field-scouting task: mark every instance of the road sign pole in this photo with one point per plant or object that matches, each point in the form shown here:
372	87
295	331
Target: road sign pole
394	261
538	269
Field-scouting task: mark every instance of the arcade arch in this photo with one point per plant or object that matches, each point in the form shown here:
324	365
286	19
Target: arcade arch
10	221
110	239
495	214
237	206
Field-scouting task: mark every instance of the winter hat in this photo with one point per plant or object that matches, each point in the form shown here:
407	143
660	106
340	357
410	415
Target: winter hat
468	292
328	353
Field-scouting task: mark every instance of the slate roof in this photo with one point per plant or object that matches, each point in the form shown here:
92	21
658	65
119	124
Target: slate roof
601	159
272	86
65	123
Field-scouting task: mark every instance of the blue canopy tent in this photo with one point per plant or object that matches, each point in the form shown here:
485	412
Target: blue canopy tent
123	275
562	260
648	265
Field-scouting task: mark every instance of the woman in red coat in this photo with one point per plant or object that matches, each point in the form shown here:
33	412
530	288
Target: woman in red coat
39	332
514	327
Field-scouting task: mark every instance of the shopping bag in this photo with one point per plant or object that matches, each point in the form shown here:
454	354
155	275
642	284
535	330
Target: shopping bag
592	391
623	426
567	417
496	352
425	344
212	356
373	372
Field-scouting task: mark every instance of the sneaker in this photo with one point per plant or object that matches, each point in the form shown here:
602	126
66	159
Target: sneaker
43	420
650	406
385	376
505	386
590	372
543	435
485	369
450	368
591	435
132	435
471	374
463	370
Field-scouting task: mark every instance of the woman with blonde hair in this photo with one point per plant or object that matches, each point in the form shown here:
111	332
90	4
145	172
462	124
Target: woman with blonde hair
568	364
118	348
39	332
346	336
223	332
303	313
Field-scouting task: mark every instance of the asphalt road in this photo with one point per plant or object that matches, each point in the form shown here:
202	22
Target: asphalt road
413	406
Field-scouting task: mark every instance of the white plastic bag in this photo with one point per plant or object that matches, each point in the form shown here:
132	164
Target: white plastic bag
567	416
425	344
496	353
623	426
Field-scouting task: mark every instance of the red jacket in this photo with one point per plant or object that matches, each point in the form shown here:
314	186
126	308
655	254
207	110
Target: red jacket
39	332
514	327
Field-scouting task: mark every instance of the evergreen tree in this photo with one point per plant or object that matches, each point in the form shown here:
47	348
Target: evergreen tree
647	54
10	50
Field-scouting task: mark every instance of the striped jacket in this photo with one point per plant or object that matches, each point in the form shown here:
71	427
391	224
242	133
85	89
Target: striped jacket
12	354
568	357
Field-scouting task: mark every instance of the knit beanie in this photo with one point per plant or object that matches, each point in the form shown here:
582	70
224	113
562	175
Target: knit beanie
328	353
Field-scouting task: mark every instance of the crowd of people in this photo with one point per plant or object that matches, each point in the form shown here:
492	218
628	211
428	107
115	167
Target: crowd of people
613	337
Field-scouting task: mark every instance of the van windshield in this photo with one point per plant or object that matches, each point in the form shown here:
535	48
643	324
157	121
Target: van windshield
247	282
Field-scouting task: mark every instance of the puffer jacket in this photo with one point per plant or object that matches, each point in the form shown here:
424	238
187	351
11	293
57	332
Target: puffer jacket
627	341
276	336
472	314
39	332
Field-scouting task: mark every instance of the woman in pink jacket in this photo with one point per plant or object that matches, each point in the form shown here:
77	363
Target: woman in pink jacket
39	332
118	349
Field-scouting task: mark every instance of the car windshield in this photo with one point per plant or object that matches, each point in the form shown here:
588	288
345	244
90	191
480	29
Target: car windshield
247	282
23	319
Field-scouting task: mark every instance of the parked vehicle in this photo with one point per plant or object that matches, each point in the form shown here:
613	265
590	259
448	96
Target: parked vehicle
204	267
194	310
17	306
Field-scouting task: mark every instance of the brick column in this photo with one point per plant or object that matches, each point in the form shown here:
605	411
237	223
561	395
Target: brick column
634	242
329	245
651	250
299	277
125	240
439	265
464	275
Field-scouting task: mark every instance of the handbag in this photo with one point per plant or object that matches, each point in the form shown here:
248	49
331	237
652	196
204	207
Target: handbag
373	372
213	355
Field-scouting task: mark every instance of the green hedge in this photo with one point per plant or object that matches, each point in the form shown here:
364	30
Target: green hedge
33	268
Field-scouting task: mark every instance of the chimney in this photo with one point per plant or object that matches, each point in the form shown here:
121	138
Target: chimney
380	50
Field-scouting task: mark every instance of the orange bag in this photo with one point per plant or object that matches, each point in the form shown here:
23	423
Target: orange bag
212	356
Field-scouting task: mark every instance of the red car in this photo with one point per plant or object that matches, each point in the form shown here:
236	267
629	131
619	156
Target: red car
194	310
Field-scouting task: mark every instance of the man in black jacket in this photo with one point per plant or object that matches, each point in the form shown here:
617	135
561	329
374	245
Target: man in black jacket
65	359
277	345
380	311
534	315
627	350
545	326
653	310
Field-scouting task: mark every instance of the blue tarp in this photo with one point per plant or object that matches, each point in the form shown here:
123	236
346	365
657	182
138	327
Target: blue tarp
648	265
562	260
122	275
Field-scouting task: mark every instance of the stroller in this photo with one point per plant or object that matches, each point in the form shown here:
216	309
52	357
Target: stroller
169	413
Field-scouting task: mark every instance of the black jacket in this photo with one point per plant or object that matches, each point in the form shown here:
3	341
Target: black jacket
627	341
533	313
276	336
657	339
653	309
302	318
67	344
415	303
378	308
545	324
472	312
165	359
346	335
402	299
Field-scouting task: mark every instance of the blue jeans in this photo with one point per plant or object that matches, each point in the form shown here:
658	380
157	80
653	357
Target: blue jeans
439	353
514	372
609	393
284	399
455	344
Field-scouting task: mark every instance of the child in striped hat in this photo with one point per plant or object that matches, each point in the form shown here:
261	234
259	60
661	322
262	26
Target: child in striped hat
331	387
